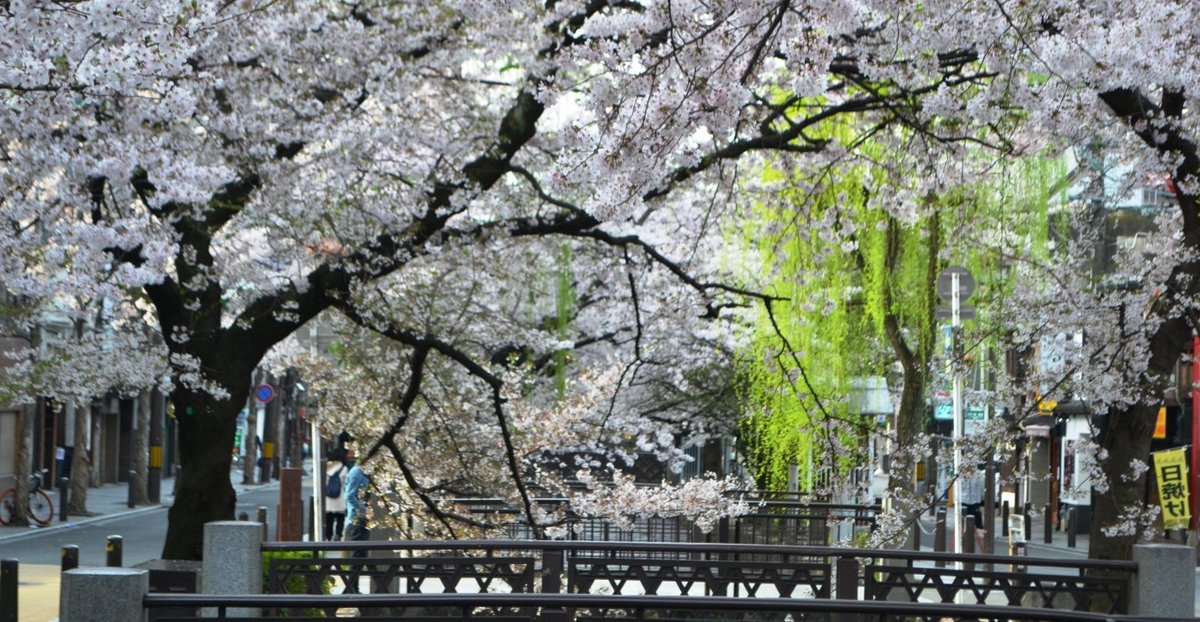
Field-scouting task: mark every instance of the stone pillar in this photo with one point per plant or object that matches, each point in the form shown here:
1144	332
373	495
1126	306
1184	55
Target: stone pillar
103	594
232	562
289	526
1165	583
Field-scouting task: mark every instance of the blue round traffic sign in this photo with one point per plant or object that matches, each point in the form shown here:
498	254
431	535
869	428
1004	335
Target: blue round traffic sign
264	392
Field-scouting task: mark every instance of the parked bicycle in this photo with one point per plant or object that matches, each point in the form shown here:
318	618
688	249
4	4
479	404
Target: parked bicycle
41	507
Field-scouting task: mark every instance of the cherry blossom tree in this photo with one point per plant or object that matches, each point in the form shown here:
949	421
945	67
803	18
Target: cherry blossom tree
245	166
485	406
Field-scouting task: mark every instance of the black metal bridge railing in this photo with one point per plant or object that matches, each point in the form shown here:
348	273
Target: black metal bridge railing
771	521
693	570
521	607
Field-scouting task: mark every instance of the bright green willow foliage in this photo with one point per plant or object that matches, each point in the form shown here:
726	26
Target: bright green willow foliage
793	398
827	251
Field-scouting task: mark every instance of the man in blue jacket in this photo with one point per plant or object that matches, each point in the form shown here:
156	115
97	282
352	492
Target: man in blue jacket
357	494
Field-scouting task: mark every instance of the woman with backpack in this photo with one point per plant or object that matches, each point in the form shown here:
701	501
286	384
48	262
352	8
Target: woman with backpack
335	501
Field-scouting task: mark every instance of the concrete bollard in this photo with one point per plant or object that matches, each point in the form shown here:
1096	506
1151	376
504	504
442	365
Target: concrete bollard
261	518
70	557
103	594
232	562
113	551
1165	582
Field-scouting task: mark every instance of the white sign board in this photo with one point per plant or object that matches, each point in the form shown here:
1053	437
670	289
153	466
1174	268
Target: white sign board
1016	528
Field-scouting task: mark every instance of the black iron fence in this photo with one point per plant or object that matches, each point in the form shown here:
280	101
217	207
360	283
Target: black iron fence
771	520
587	607
696	570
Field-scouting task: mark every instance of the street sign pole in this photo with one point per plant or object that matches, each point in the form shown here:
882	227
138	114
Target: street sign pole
958	427
956	285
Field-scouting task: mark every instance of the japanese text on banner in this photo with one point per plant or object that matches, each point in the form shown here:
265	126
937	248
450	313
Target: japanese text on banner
1170	467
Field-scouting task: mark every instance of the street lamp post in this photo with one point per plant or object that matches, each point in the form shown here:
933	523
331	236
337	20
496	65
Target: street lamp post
956	396
956	285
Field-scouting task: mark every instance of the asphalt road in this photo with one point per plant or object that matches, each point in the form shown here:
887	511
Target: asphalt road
142	533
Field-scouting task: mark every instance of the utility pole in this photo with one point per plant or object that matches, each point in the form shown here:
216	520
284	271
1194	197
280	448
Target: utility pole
269	424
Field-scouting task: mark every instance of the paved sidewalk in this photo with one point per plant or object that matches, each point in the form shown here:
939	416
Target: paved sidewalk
111	500
1035	544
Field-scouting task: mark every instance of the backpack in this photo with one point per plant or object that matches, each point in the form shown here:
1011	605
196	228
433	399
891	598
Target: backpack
333	487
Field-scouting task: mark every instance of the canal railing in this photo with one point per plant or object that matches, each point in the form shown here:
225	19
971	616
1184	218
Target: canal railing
568	581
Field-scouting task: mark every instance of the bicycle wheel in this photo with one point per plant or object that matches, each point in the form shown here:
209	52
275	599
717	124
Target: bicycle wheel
7	506
41	508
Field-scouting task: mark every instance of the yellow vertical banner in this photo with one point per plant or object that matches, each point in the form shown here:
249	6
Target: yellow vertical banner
1170	467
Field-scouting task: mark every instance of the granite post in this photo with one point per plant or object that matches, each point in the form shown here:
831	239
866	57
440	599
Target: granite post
103	594
232	562
1165	583
289	526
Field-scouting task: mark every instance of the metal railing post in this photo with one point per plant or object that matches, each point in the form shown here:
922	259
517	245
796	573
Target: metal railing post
552	570
8	590
132	489
64	488
939	534
846	577
70	557
1004	518
1047	526
917	533
113	551
1071	528
968	543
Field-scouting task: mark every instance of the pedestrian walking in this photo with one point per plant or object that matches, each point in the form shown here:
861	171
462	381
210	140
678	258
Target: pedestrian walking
357	496
336	472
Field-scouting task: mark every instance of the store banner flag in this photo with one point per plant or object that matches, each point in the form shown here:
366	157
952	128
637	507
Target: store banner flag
1170	467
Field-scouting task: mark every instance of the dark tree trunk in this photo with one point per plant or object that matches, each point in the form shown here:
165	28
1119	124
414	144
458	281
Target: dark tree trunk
25	426
203	492
908	423
1128	433
1127	437
914	361
81	463
141	447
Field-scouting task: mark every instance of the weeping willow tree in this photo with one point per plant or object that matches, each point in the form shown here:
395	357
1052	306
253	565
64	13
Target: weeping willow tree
861	301
821	242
